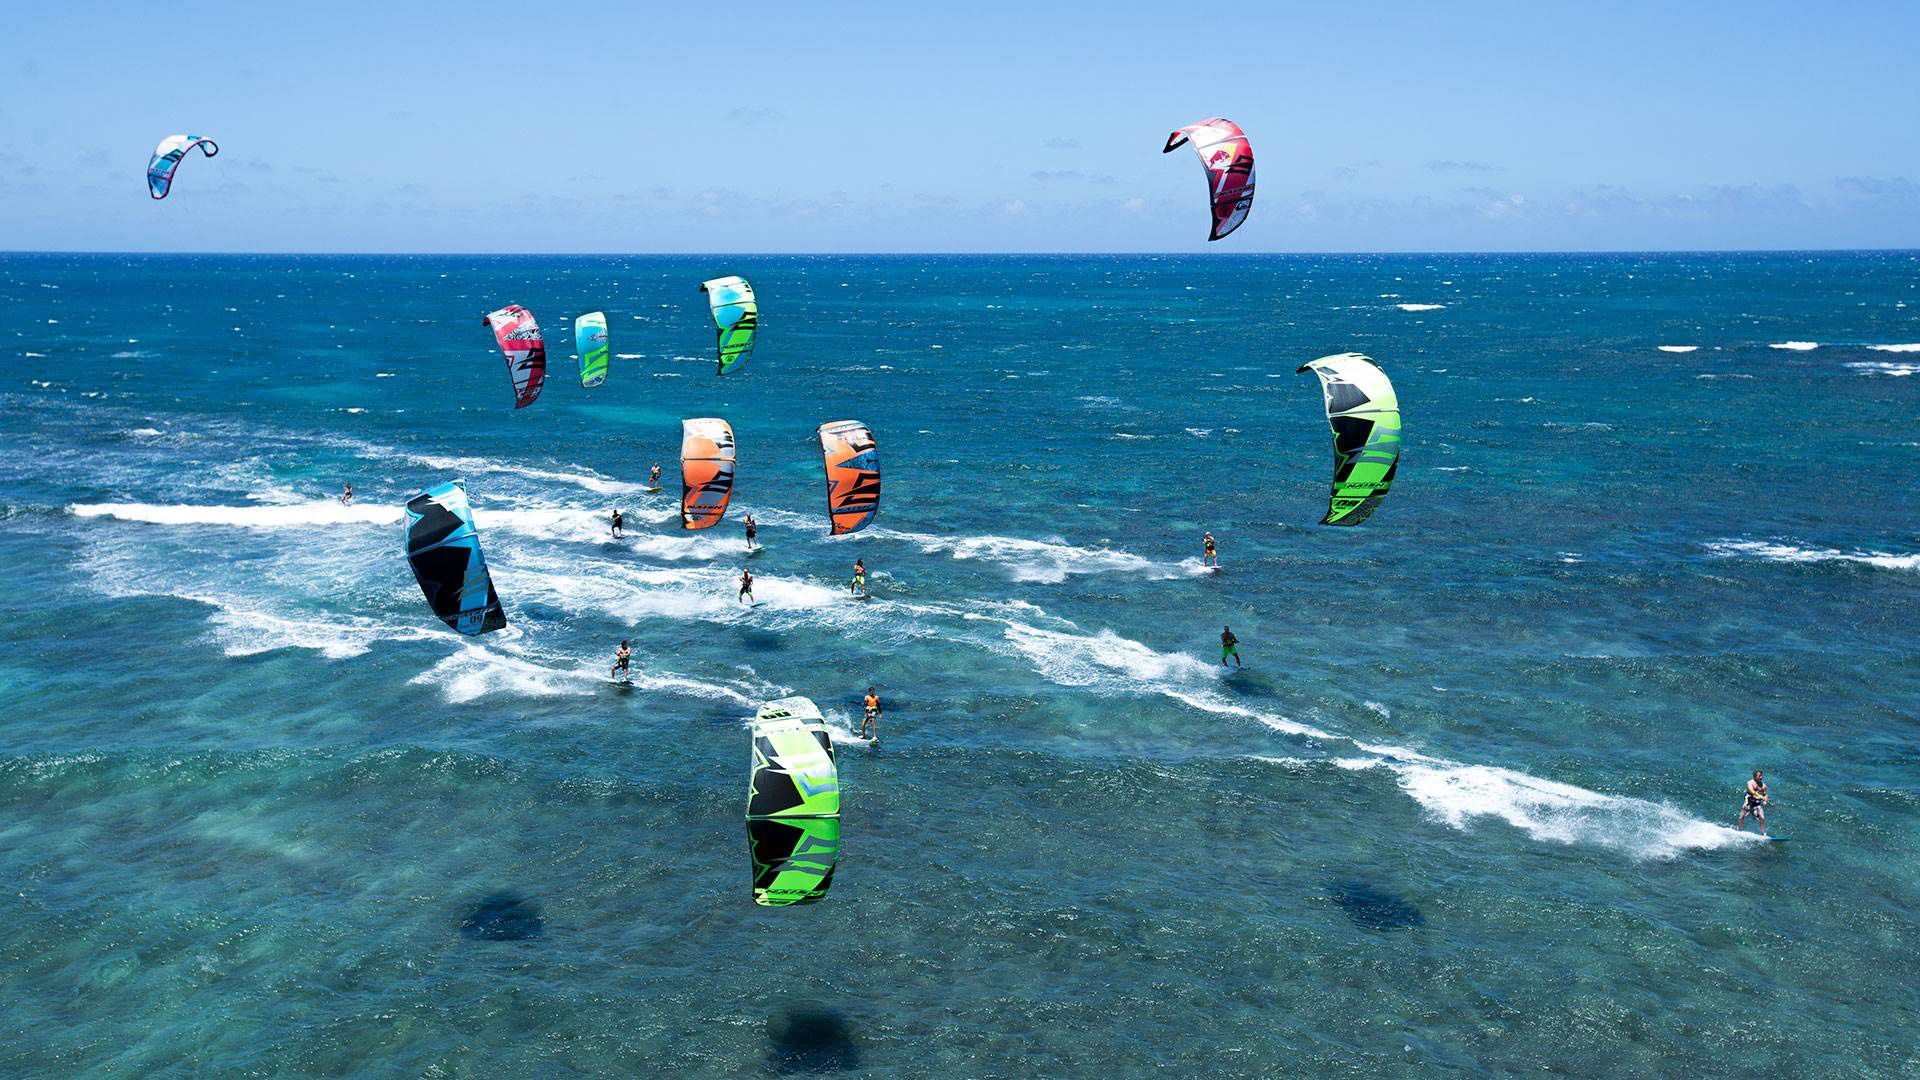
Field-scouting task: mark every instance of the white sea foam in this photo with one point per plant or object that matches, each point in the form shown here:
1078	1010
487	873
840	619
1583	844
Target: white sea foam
1876	367
1048	561
572	523
1795	346
1909	347
1792	553
1039	560
632	593
477	671
1723	375
1547	810
546	523
1420	307
1104	660
668	682
323	512
244	630
1462	796
839	725
1679	348
587	478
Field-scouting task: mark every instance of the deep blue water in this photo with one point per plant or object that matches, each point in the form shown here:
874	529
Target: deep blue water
1467	807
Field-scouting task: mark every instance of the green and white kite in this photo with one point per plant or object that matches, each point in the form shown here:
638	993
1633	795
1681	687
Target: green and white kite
793	805
1364	413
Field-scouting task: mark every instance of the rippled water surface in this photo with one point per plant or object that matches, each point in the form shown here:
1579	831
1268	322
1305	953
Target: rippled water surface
1467	806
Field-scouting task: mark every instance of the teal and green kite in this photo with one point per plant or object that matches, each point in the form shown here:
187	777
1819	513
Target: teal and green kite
736	319
590	341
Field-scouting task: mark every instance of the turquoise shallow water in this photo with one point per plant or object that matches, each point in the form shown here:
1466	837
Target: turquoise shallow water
1465	809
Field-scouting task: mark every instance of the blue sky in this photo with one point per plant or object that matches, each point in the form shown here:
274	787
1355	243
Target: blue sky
979	127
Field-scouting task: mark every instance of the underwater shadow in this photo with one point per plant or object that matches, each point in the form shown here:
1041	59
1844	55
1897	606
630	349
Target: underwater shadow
1372	908
1252	684
760	641
503	917
811	1040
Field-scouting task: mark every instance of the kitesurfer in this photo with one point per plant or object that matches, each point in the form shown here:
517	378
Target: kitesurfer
870	727
653	477
858	586
621	658
618	524
746	587
346	496
753	529
1210	553
1755	803
1229	646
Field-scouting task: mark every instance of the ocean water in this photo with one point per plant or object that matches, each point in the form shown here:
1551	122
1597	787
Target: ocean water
1466	809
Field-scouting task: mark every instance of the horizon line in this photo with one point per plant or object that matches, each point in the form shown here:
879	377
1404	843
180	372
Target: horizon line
1206	253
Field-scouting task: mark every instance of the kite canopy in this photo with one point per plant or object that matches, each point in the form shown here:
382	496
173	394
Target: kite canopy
1364	413
793	859
166	158
853	474
793	770
1227	158
706	471
519	338
590	341
736	319
444	550
793	804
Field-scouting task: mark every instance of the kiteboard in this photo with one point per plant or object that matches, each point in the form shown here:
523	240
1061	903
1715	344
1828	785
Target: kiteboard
654	490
